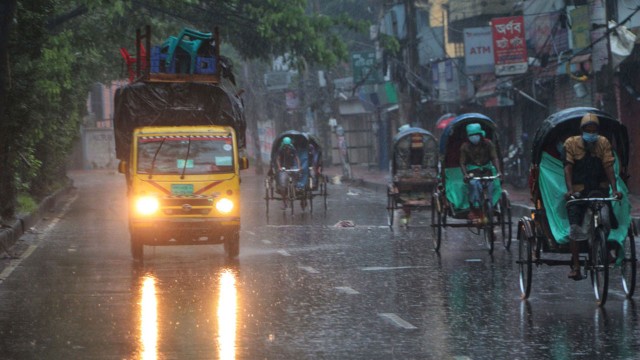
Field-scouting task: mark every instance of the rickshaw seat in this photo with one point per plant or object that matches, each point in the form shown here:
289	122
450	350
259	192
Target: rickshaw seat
417	178
456	190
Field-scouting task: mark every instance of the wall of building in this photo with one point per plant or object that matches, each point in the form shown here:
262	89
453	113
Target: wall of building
98	149
629	110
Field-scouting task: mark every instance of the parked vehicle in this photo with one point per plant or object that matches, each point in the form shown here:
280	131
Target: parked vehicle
515	169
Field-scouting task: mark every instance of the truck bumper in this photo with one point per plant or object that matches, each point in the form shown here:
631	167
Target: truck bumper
184	230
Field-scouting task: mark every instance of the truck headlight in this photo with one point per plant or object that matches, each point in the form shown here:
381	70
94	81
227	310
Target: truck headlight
147	205
224	205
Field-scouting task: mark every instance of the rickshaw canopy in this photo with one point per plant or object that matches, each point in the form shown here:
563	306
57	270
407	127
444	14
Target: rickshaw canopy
307	148
565	123
299	139
444	120
460	122
403	142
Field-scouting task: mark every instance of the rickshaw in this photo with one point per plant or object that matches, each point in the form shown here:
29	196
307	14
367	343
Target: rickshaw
450	202
414	168
302	184
543	237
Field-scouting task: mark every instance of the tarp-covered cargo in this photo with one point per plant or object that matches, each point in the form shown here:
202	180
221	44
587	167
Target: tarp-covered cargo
174	104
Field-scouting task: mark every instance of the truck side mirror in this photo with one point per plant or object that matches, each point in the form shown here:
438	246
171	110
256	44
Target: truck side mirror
244	163
122	167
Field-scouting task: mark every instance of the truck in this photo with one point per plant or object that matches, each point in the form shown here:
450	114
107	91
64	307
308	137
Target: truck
180	139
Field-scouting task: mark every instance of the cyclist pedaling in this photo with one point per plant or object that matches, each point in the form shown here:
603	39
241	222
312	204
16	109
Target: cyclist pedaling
588	167
287	160
478	157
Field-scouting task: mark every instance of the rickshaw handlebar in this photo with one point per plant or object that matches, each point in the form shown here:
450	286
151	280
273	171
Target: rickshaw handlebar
492	177
591	199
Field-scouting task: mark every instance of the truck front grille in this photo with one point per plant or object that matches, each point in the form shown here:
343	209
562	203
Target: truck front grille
205	201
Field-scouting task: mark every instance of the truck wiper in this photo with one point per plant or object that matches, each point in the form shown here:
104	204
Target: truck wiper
153	161
184	168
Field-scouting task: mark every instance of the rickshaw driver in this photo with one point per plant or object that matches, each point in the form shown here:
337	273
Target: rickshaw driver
287	159
588	166
478	157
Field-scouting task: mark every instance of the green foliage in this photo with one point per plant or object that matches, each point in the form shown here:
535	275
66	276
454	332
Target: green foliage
59	48
389	44
26	204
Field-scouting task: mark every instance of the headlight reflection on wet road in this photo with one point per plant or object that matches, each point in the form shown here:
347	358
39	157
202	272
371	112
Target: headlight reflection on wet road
227	310
149	319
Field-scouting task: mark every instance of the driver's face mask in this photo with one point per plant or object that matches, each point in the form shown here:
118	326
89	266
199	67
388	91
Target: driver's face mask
589	137
474	139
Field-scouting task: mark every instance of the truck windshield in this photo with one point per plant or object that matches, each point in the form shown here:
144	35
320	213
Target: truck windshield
191	155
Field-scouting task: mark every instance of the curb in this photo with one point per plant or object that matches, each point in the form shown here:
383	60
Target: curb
11	234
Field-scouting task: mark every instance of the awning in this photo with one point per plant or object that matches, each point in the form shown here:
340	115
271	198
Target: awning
498	101
486	90
352	107
580	58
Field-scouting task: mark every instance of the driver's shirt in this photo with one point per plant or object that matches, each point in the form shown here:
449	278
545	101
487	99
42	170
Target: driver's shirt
588	164
479	154
287	156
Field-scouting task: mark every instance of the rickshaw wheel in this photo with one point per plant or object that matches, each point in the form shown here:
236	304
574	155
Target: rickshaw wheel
505	221
291	193
137	245
628	268
599	266
391	206
232	244
310	193
524	263
436	223
266	194
489	237
324	190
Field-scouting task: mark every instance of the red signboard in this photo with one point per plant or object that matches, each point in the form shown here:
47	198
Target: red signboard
509	45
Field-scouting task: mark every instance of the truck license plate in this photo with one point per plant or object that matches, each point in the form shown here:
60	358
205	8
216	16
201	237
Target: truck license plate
182	189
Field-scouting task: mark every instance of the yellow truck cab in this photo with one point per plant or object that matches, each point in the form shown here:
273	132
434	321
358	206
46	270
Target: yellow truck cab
184	187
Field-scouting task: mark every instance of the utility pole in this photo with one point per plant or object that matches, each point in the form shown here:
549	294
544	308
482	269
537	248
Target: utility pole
610	101
253	112
412	60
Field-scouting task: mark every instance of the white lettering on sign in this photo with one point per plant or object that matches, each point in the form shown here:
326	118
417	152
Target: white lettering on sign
480	50
510	27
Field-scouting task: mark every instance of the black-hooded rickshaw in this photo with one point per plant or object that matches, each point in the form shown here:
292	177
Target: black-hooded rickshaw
414	169
543	238
301	182
450	198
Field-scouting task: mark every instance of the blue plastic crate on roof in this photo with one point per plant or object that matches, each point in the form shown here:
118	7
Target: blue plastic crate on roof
191	52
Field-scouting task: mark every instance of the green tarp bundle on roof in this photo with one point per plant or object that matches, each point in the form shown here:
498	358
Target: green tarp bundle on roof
174	104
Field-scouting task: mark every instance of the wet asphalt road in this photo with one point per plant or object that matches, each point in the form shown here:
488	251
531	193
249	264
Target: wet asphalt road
301	289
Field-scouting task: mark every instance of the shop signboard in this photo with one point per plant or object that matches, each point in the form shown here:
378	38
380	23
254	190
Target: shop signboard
478	50
509	45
